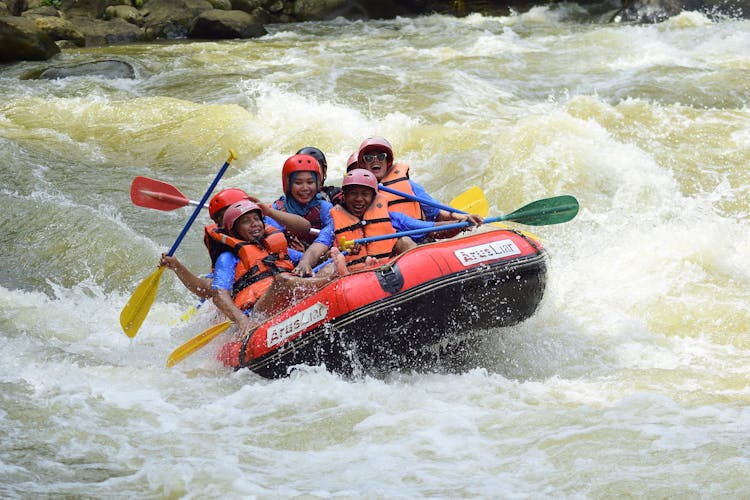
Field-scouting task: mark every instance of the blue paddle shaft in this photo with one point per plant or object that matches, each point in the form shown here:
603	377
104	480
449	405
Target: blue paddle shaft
411	197
200	204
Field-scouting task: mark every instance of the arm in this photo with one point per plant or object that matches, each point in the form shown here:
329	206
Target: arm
438	215
222	298
294	224
310	259
199	286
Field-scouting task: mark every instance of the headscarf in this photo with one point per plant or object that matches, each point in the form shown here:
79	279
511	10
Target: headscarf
292	206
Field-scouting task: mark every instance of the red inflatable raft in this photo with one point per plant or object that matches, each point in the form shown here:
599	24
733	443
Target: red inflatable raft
400	315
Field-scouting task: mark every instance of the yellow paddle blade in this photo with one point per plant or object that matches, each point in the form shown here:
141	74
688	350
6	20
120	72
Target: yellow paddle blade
472	201
136	310
196	343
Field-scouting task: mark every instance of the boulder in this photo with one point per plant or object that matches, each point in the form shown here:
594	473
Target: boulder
172	18
222	24
22	40
99	32
108	68
60	29
127	13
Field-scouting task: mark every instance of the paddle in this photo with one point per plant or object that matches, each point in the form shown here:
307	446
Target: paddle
196	343
472	201
426	201
137	308
152	193
543	212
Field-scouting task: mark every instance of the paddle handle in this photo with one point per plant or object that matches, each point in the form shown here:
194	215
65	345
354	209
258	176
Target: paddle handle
198	208
426	201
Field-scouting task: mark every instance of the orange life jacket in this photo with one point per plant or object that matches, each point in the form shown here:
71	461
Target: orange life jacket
259	263
375	222
398	178
212	239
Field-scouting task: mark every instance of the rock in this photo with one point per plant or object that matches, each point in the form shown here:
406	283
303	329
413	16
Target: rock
172	18
248	6
100	32
109	68
127	13
60	29
221	24
89	8
22	40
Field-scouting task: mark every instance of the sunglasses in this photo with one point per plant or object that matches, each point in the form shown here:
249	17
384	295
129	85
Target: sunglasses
372	157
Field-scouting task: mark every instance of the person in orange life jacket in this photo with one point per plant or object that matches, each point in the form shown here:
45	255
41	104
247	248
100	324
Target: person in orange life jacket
201	286
245	272
300	178
365	213
376	155
331	194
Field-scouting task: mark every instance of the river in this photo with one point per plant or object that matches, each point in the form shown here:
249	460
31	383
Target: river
631	380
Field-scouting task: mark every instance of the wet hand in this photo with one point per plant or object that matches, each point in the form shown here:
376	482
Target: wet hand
303	269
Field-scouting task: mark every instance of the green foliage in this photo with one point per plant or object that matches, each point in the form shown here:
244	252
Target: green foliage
52	3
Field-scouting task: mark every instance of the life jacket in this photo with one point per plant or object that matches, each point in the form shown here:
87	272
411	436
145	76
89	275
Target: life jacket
259	263
398	178
301	243
212	239
374	222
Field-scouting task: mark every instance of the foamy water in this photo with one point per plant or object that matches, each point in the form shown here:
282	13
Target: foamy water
630	380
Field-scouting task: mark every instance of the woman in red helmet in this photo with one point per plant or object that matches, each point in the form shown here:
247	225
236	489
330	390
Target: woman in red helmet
331	194
364	213
376	155
301	177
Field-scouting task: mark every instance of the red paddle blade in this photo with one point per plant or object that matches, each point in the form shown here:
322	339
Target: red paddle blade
151	193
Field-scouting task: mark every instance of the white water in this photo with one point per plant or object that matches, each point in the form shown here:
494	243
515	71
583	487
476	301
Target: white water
631	379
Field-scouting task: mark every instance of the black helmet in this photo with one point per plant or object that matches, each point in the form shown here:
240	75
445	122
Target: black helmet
315	153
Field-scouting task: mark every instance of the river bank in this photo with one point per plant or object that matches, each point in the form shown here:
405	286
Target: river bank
39	29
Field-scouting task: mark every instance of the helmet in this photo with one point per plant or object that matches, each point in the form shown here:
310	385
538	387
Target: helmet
237	210
360	177
224	198
300	163
351	163
315	153
375	143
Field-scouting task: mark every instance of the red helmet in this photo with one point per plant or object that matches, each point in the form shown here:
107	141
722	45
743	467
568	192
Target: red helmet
351	163
224	198
300	163
360	177
236	211
375	143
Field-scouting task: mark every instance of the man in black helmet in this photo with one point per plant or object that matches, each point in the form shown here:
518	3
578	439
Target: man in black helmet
329	193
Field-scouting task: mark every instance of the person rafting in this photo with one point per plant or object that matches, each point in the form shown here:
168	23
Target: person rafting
363	213
351	163
301	182
376	155
243	274
331	194
213	233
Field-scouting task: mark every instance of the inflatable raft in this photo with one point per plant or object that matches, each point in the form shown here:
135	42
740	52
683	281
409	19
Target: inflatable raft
403	314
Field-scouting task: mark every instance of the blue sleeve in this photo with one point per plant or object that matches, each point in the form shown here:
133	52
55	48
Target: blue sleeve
224	271
326	236
402	222
430	213
295	255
